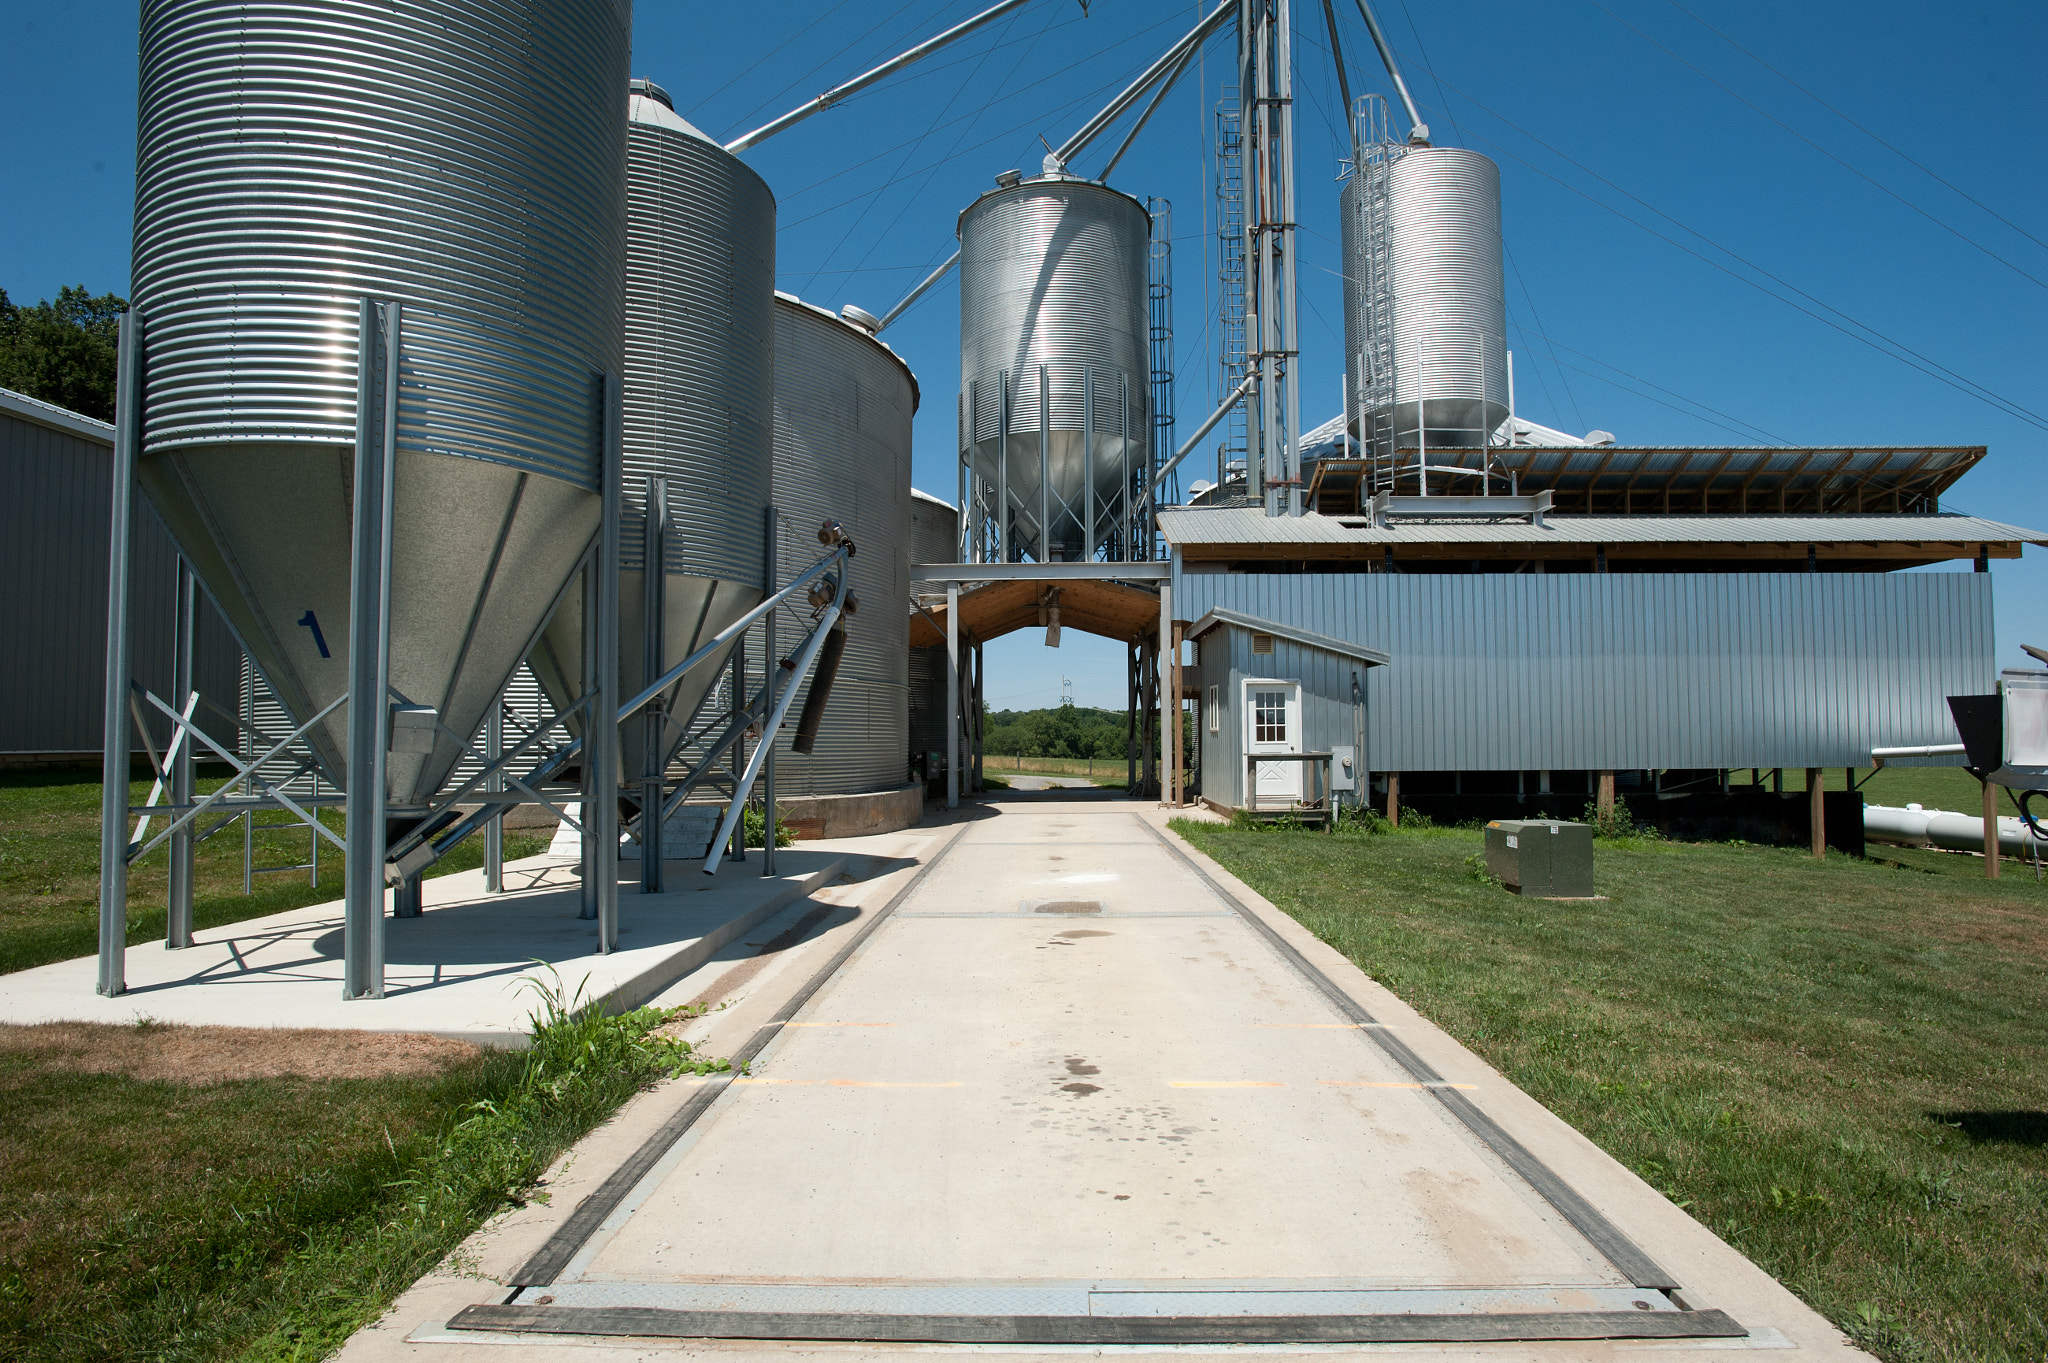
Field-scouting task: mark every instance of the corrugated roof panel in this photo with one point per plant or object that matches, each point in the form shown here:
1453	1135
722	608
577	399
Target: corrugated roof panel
1185	527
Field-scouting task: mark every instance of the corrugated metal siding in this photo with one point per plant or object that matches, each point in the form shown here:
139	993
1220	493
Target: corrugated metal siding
53	552
843	409
1494	672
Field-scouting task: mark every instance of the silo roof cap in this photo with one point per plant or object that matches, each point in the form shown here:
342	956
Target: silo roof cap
649	104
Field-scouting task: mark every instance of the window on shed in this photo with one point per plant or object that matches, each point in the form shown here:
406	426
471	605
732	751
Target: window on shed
1269	716
1215	710
1262	645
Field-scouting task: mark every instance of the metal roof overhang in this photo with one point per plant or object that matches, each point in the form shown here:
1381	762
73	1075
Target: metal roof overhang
1227	534
1110	609
1728	479
1343	648
1039	572
56	418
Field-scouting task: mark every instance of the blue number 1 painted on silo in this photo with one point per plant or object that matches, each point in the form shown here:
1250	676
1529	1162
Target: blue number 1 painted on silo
319	639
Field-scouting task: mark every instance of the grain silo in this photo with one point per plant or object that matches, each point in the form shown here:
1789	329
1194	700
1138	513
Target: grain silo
843	408
1055	413
700	284
1425	315
465	160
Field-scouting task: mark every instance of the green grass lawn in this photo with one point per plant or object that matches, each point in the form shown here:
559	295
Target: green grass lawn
1841	1067
151	1209
1103	771
50	858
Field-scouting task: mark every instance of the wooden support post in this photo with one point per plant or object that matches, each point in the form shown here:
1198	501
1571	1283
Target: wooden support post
1174	795
1606	795
1394	798
1818	812
1990	831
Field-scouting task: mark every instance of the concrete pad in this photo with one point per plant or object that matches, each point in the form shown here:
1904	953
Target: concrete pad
457	970
1143	1111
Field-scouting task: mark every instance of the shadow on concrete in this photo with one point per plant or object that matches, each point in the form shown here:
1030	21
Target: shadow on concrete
541	924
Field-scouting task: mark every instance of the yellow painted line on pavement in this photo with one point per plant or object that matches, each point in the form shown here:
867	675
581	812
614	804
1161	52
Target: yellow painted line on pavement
1225	1084
1388	1084
1309	1026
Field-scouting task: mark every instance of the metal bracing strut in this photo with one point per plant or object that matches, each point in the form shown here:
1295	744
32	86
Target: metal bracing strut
867	78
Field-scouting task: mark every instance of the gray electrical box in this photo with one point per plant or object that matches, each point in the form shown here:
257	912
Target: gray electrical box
1541	857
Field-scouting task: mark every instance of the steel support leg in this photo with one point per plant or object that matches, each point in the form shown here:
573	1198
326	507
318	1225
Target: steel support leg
771	669
494	830
113	976
603	814
739	744
588	796
1169	705
953	691
653	659
178	925
369	648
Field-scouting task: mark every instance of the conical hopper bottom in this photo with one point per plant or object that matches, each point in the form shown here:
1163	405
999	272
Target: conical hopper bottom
697	608
479	553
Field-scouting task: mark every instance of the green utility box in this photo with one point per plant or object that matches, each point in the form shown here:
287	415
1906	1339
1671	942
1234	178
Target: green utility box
1541	857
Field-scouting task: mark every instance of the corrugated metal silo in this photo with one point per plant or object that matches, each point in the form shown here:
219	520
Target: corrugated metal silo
467	160
1052	284
1443	268
934	538
843	407
700	287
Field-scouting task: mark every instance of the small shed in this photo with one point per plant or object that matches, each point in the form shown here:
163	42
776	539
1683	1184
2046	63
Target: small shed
1262	686
56	469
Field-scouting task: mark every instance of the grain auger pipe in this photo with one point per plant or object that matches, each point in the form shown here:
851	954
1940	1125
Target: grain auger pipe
831	600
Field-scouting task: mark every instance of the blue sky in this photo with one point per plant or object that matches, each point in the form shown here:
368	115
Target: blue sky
1650	166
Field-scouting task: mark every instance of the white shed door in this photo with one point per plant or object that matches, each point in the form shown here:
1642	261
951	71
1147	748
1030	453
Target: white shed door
1272	712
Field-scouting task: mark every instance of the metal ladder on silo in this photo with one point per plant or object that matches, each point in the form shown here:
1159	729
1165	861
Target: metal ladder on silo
1230	277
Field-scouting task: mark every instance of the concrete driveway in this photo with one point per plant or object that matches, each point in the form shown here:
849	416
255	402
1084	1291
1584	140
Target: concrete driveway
1070	1084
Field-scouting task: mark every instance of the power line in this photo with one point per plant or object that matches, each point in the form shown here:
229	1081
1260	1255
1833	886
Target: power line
1759	110
1923	169
911	198
844	171
797	33
1057	112
1751	428
779	95
1445	101
1900	351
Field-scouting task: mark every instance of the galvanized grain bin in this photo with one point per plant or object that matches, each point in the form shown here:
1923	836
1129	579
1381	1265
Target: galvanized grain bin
700	288
843	408
464	159
1052	325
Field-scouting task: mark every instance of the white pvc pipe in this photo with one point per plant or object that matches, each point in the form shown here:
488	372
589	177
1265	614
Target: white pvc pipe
1914	826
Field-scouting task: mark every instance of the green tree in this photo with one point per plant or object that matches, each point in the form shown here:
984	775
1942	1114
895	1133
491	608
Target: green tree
63	352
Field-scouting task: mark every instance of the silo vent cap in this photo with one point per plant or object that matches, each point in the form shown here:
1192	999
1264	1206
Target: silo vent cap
1418	136
861	318
1009	178
651	91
